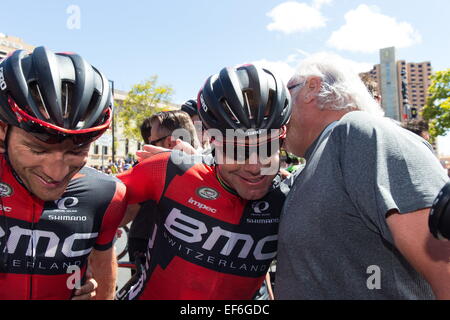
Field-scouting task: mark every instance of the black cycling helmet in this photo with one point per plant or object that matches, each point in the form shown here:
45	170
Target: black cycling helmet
246	97
54	96
439	219
190	107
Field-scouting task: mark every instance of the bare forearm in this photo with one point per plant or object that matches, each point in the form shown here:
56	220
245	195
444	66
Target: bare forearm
104	271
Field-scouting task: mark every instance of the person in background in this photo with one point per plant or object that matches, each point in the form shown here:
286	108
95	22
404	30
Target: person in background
164	124
372	87
419	127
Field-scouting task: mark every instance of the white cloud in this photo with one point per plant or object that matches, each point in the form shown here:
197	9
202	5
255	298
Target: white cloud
285	69
281	69
367	30
319	3
361	66
290	17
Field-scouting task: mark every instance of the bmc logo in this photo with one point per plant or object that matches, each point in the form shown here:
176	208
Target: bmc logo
2	80
192	230
38	238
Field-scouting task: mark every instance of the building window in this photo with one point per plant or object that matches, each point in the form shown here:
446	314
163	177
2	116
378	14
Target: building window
96	149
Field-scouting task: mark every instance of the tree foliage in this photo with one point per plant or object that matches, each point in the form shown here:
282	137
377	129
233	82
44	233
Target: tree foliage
142	101
437	109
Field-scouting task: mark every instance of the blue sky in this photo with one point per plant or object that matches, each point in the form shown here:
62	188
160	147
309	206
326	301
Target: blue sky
185	41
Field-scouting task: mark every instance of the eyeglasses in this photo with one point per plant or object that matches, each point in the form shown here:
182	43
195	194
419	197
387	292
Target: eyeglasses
239	153
295	86
52	134
153	142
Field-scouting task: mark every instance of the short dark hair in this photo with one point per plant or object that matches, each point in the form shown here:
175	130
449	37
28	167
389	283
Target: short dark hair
169	121
146	129
418	127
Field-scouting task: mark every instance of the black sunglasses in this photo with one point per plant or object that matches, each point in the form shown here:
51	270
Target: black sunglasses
51	136
241	153
153	142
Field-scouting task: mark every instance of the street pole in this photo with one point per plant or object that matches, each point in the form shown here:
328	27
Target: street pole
113	124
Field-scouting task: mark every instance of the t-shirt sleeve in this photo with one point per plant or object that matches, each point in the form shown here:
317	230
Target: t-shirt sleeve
385	168
111	219
146	180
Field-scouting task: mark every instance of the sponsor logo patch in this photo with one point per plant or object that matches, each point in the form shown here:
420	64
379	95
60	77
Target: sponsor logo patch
5	190
207	193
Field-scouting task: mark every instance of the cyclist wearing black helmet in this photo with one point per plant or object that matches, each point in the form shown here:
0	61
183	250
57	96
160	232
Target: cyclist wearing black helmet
190	107
216	228
55	213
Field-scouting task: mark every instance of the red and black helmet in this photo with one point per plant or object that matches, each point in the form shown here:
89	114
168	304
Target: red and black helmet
247	97
54	96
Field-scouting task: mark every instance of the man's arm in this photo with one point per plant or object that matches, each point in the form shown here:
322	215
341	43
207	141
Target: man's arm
150	150
130	214
428	256
103	265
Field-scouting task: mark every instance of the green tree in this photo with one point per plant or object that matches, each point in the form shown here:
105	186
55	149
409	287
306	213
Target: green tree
142	101
437	109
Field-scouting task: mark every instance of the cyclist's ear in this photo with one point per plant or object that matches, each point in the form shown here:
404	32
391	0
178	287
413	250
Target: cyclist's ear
3	128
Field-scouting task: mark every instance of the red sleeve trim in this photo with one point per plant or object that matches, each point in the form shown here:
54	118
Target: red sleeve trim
112	218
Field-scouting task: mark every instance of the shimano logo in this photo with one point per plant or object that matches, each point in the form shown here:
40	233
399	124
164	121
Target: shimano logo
202	206
66	203
2	80
192	230
67	218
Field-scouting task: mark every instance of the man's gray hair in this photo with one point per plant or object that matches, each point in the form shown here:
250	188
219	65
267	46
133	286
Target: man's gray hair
342	88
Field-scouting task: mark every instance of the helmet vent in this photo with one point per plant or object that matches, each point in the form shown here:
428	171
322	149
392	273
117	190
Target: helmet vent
229	111
66	93
39	100
269	105
91	107
248	103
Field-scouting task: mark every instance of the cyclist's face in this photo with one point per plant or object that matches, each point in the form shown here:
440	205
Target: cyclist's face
252	179
45	169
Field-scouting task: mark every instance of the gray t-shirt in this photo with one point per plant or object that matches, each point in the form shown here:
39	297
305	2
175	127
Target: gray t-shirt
333	238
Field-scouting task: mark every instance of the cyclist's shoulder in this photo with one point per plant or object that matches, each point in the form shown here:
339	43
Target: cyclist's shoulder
98	184
95	176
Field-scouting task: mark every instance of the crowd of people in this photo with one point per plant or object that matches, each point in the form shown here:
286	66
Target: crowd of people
309	173
113	168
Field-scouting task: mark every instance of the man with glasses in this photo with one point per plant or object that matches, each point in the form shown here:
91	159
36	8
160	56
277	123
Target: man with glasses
163	124
216	227
355	224
56	214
